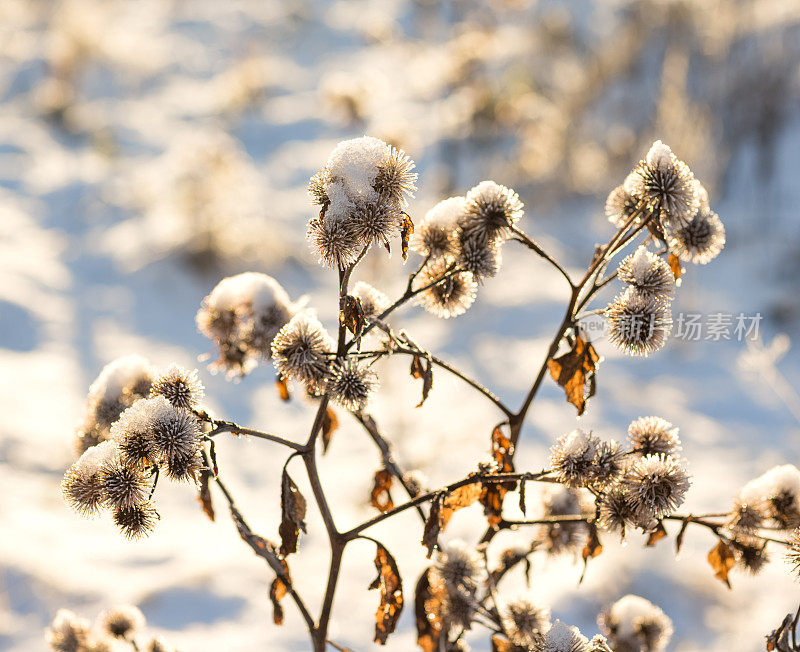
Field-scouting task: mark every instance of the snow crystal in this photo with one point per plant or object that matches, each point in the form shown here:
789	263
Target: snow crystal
563	638
352	168
660	156
779	479
94	458
630	609
446	213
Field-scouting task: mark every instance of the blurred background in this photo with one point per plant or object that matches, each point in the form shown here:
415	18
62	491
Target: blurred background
149	148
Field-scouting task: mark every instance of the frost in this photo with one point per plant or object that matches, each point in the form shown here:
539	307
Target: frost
352	168
118	375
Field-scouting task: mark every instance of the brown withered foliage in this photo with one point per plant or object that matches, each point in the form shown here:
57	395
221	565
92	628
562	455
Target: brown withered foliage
391	590
575	372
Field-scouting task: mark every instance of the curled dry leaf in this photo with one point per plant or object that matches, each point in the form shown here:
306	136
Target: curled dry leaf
721	559
424	371
293	513
443	506
283	388
391	588
500	644
656	535
492	494
592	549
380	497
679	538
204	494
675	265
352	315
405	233
433	525
575	372
428	613
330	422
277	591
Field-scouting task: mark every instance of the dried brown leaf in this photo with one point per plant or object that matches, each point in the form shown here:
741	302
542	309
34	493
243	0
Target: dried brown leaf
405	233
679	538
330	422
391	588
430	535
656	535
575	372
492	493
424	370
675	265
458	499
204	494
428	612
277	591
352	315
380	497
592	549
500	644
283	388
721	559
293	513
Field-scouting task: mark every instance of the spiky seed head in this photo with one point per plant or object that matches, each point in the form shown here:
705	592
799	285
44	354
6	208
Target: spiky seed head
664	184
300	351
616	510
176	432
634	624
316	187
435	235
793	554
562	638
68	632
656	485
351	384
649	274
136	521
556	538
122	621
653	436
459	566
775	495
334	241
572	458
395	182
747	516
638	325
373	301
82	484
620	206
700	239
479	256
133	436
458	608
123	486
184	468
491	211
159	645
451	296
599	644
179	386
524	620
750	552
607	463
375	223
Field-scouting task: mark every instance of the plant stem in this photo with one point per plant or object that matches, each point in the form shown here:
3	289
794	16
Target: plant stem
227	426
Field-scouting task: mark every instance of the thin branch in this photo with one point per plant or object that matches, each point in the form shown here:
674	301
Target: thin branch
227	426
528	242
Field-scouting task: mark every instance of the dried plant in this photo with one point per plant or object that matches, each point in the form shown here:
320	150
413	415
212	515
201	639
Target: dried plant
142	424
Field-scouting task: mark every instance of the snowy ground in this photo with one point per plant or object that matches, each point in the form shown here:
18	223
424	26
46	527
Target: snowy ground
93	265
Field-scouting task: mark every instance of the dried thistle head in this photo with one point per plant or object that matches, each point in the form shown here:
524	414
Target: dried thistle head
620	206
562	638
300	351
179	386
491	211
793	554
566	536
395	181
616	510
650	275
774	495
351	384
375	223
655	485
459	566
123	486
122	621
176	432
334	240
653	436
136	521
634	624
82	485
700	239
481	257
242	315
638	325
664	184
452	295
159	645
436	233
68	632
750	552
572	458
524	620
